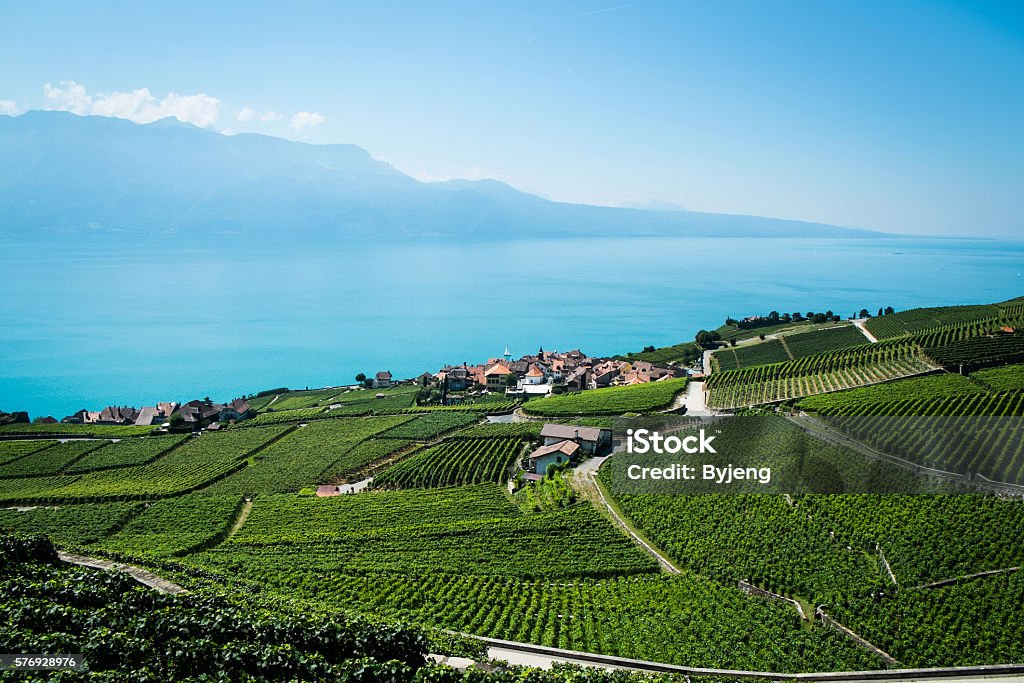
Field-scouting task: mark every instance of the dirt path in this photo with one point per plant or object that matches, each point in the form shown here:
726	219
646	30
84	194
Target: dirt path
859	324
243	515
141	575
584	480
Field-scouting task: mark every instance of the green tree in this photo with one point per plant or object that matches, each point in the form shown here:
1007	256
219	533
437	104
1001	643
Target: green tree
361	377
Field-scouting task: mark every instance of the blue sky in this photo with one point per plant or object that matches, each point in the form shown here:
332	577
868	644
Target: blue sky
902	116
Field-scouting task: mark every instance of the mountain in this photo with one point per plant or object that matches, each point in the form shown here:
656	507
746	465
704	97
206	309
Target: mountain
64	173
654	205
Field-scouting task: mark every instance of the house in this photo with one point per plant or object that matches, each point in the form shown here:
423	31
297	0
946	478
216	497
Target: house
198	413
117	415
237	410
494	377
554	454
457	377
535	374
382	380
15	417
156	415
591	440
81	417
48	420
424	379
603	375
578	379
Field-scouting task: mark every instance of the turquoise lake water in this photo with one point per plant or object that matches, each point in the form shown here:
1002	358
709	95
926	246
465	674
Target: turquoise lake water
112	320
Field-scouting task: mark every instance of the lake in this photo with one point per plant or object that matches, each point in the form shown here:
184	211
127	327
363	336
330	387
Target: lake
115	320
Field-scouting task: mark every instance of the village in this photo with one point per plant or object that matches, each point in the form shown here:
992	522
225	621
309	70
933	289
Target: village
545	374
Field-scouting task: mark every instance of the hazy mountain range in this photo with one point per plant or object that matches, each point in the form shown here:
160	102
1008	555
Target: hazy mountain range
65	173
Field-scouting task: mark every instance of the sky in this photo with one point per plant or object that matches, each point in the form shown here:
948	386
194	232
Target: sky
899	116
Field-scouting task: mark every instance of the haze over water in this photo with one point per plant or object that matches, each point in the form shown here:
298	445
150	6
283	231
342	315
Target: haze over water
114	320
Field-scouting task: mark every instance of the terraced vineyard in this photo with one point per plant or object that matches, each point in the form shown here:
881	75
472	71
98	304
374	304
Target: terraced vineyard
52	460
198	462
823	340
768	351
454	463
919	319
362	459
302	457
283	417
494	429
174	527
942	385
432	425
74	525
834	371
127	452
1008	378
13	450
75	430
639	398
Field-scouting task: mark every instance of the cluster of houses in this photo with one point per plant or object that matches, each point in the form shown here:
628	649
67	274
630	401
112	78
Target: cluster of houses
539	374
197	413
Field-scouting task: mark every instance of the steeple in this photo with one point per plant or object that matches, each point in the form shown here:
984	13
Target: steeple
507	354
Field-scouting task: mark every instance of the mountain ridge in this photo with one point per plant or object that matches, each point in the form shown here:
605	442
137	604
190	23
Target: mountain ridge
60	172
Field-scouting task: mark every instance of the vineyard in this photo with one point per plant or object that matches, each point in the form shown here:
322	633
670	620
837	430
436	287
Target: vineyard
300	458
196	463
1007	378
833	371
127	452
76	431
944	385
291	519
51	460
176	526
362	459
119	628
639	398
684	620
12	450
283	417
823	340
76	525
454	463
769	351
918	319
432	425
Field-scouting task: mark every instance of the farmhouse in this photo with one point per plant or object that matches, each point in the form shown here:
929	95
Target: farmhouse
590	439
494	376
382	380
553	454
239	409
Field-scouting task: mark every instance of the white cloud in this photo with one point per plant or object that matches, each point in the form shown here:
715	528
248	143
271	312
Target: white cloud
139	106
8	107
306	119
247	114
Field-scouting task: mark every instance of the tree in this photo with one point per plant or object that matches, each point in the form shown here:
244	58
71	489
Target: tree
864	313
818	318
889	310
706	339
361	377
648	349
798	316
511	380
880	311
773	316
368	383
732	322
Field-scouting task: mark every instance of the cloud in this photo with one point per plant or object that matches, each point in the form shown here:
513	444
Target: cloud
307	119
247	114
8	107
139	105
